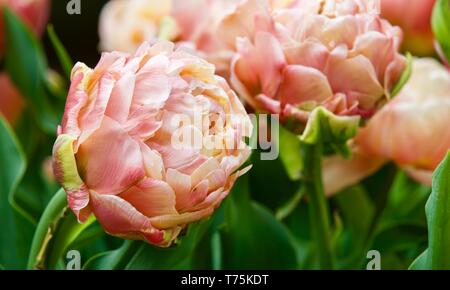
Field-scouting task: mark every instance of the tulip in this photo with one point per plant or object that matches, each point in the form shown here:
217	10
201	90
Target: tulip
34	13
119	154
412	131
125	24
339	54
11	102
414	17
201	31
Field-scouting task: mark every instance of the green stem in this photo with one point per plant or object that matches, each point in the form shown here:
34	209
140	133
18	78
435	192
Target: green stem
56	230
318	209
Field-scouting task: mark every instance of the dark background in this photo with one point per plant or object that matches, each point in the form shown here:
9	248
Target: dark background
78	33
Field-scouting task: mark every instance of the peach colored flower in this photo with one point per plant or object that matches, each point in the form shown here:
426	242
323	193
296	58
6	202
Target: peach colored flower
125	24
411	130
414	17
11	102
115	154
201	30
337	54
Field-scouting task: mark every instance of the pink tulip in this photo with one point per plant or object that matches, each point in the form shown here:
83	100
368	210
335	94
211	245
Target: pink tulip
412	130
414	17
35	13
117	154
125	24
201	30
11	102
339	54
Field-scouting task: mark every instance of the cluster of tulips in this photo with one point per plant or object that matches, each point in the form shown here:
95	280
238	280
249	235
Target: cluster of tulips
357	86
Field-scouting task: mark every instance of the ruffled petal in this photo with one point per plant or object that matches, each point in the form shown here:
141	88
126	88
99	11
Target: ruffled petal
301	83
110	161
151	197
66	172
119	218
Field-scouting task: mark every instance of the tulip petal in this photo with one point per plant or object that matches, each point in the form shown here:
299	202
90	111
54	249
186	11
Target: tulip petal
153	162
271	62
356	78
309	53
66	172
91	119
119	104
169	221
151	197
339	173
181	184
119	218
76	99
301	83
110	161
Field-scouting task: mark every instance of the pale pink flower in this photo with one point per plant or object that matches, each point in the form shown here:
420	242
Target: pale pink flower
412	131
414	17
34	13
115	155
125	24
340	55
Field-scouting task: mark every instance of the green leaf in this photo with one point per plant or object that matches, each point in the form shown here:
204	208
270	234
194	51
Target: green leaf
14	230
113	260
63	56
404	78
325	127
26	65
405	203
438	217
357	211
143	256
151	257
56	230
289	207
277	191
400	238
420	263
289	148
441	25
252	237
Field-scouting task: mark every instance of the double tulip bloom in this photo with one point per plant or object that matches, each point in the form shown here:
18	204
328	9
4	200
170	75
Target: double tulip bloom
116	155
337	54
412	131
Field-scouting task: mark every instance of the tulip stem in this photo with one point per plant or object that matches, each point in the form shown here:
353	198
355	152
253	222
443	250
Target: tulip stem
318	207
